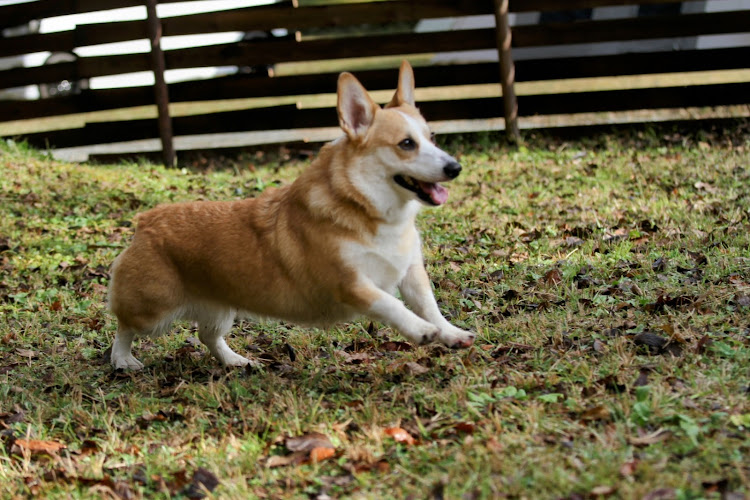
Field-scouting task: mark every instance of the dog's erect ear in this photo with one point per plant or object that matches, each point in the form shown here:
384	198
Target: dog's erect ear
356	109
405	90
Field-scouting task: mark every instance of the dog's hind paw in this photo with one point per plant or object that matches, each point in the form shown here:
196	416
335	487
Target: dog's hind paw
234	359
128	362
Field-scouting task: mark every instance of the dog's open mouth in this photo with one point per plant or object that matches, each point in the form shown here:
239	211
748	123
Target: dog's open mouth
430	192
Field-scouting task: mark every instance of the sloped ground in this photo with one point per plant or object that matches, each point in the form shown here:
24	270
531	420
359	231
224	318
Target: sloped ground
608	280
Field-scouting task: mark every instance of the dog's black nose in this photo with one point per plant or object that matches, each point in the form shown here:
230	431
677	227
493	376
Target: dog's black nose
452	169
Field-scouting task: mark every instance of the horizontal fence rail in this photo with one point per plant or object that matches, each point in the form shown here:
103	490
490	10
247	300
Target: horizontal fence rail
322	34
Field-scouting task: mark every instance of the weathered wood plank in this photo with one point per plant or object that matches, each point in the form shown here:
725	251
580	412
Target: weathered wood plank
286	117
556	5
14	15
262	18
275	51
258	53
632	28
242	86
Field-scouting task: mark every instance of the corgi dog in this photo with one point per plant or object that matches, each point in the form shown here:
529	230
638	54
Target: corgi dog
334	245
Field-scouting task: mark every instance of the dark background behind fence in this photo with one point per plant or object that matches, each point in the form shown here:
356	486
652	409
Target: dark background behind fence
665	30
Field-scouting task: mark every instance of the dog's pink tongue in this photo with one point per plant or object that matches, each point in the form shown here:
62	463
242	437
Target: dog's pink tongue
438	194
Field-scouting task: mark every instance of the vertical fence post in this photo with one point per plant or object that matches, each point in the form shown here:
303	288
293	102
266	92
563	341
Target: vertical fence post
507	71
161	94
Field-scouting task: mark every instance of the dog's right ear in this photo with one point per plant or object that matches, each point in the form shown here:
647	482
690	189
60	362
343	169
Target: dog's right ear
405	91
355	107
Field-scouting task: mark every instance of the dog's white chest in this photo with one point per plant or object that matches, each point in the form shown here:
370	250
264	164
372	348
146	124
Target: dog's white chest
388	255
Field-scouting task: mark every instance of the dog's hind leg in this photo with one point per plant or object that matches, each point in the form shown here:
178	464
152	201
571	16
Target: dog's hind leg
122	356
213	325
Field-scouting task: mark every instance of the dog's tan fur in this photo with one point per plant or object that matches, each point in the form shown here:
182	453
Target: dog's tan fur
329	247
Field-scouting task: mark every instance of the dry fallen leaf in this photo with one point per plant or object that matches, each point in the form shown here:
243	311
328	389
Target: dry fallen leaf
400	435
39	446
596	413
415	368
647	439
203	481
284	460
465	427
603	491
27	353
553	277
628	468
311	447
321	453
308	442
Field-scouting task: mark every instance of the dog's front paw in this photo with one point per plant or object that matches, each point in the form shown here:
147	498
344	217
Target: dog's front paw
430	336
455	338
422	333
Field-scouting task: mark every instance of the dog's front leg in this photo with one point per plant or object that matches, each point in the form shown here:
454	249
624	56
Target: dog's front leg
417	292
379	305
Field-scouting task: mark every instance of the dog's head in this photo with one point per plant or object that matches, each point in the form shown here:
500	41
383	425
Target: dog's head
395	143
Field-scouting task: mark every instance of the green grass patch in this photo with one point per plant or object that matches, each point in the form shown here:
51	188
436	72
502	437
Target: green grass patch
608	281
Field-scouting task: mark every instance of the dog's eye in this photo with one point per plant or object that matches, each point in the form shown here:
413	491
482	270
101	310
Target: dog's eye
407	144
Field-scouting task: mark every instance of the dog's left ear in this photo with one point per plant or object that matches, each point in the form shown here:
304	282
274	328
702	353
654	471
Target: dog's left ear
405	90
355	107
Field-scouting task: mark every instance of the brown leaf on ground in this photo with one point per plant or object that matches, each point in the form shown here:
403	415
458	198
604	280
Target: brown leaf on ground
465	427
530	236
647	439
319	454
599	412
660	494
599	346
553	277
7	419
38	446
308	442
400	435
628	468
742	300
642	377
381	466
356	357
147	418
702	344
311	447
413	368
511	347
284	460
203	481
602	491
27	353
88	447
392	346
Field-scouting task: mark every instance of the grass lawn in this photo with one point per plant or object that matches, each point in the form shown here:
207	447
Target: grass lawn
608	280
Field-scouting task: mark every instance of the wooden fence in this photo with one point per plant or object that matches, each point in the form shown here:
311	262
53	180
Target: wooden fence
669	24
